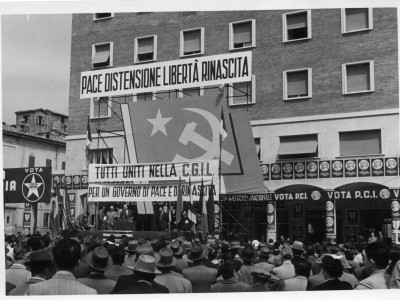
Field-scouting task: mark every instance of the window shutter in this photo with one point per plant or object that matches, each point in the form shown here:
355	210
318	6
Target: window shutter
360	142
300	144
242	33
296	21
146	45
358	77
356	18
102	54
191	41
297	83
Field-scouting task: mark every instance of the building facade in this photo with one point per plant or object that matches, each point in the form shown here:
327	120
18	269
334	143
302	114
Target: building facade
25	147
324	88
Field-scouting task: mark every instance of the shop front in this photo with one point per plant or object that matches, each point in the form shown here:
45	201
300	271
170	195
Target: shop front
349	213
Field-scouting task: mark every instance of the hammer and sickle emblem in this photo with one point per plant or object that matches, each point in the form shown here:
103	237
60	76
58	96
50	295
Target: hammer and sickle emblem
190	135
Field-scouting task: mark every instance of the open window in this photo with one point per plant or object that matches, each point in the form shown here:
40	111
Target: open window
242	34
298	146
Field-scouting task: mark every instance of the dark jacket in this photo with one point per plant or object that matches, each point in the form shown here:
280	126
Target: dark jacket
333	284
145	287
125	282
201	277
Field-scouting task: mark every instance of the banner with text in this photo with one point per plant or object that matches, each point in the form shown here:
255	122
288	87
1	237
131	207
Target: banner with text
148	192
195	170
177	74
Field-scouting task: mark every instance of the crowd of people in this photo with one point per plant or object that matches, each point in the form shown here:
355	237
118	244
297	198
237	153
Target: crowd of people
73	264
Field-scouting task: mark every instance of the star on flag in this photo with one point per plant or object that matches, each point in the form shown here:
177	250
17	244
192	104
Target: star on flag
159	124
33	187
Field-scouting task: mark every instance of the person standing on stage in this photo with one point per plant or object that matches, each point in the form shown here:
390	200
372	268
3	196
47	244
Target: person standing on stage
101	218
111	217
163	219
123	213
173	224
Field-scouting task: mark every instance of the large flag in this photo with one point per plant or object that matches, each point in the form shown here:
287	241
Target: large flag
190	128
88	142
211	212
179	204
191	212
204	220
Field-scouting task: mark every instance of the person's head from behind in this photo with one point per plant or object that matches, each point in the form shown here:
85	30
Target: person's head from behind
331	267
302	267
376	258
310	251
117	255
66	254
228	269
20	252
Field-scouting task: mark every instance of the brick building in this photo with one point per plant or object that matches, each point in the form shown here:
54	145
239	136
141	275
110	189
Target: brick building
324	92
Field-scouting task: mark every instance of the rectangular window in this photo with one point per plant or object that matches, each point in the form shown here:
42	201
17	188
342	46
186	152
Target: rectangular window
63	165
101	156
296	26
100	108
297	84
192	92
170	94
358	77
242	34
356	19
102	55
31	162
40	121
298	146
102	16
48	162
192	42
242	93
363	142
46	219
27	119
143	97
146	49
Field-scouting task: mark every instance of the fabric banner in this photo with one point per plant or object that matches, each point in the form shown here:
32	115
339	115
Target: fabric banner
170	75
189	129
196	170
27	184
147	192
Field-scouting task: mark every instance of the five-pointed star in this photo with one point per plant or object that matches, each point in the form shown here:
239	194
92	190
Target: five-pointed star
159	123
33	187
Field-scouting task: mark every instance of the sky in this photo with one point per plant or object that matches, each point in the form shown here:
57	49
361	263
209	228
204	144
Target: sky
36	63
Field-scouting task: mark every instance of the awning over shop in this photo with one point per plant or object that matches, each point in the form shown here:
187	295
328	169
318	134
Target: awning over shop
298	188
356	186
297	147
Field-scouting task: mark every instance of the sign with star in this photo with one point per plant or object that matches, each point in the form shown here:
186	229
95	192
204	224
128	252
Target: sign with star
30	185
195	129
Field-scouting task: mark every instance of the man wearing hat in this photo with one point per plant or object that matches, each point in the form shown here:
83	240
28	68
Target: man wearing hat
98	262
66	255
260	279
117	269
248	255
131	251
170	279
125	281
263	260
199	275
40	263
145	270
298	249
178	252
